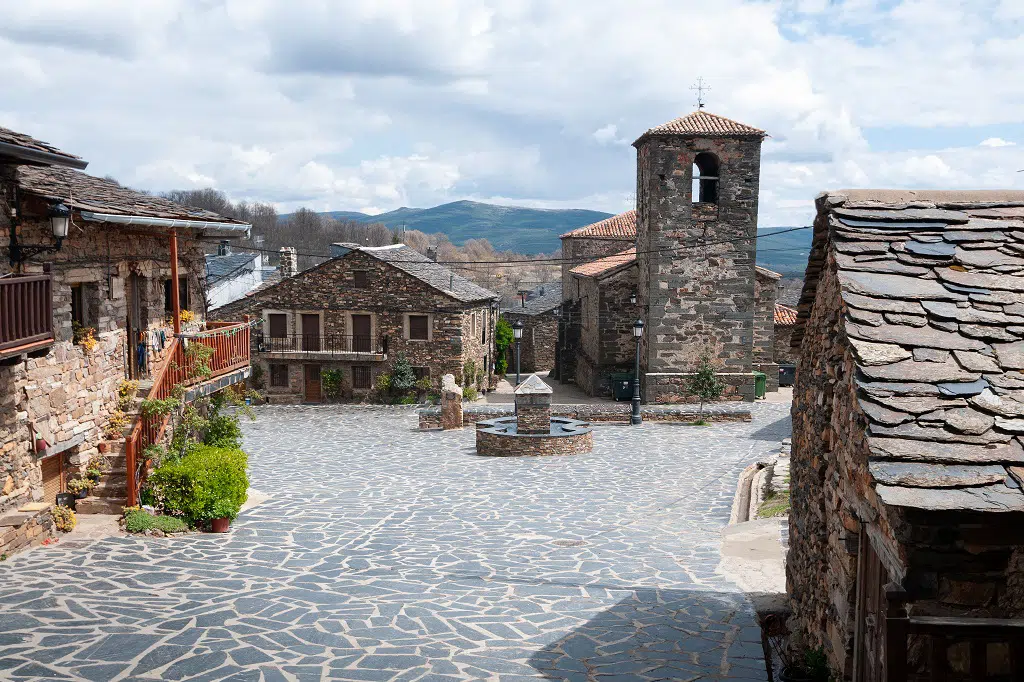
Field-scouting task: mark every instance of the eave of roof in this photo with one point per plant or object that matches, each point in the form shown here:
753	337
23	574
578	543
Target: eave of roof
621	227
27	149
604	267
702	123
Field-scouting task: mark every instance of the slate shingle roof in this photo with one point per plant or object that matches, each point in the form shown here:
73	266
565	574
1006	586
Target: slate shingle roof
85	192
541	303
784	315
703	123
228	267
622	226
28	142
932	285
605	266
434	274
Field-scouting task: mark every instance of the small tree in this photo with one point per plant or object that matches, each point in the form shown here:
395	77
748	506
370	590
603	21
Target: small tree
403	378
502	340
705	384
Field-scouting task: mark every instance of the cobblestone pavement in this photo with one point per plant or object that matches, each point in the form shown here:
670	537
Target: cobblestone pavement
389	554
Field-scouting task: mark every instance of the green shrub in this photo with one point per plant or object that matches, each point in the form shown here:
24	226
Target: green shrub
139	521
207	483
223	431
469	393
502	340
330	379
383	382
403	378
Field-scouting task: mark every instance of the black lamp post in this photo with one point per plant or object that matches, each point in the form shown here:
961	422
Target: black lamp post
517	334
638	331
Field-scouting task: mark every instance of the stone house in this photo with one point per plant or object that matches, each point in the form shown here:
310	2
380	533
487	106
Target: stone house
785	322
109	280
693	237
357	312
539	313
908	412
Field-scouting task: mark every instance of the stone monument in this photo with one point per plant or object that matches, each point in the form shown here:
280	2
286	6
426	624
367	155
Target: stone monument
451	403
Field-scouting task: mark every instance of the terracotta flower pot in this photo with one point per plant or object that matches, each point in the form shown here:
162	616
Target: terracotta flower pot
220	525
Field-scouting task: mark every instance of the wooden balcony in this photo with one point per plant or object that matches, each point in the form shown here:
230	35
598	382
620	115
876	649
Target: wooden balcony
323	346
26	314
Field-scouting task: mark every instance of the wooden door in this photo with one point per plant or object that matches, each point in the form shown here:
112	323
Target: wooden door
135	327
311	384
361	341
311	333
871	608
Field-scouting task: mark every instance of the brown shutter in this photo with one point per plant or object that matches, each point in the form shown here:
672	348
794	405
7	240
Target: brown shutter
419	327
278	325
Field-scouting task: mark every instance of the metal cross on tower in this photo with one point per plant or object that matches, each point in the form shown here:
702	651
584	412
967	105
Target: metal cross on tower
701	88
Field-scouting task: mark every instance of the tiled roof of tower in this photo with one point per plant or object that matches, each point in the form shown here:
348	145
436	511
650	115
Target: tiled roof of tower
784	315
606	265
28	143
622	226
932	313
765	272
84	192
702	123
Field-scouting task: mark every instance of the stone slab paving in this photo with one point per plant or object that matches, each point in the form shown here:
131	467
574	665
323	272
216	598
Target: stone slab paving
386	553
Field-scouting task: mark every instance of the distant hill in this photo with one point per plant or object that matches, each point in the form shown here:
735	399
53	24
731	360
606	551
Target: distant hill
534	230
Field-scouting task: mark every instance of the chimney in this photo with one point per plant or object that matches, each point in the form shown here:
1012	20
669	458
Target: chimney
223	248
289	263
432	253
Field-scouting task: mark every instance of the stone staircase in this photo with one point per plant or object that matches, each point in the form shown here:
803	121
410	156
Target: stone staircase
109	496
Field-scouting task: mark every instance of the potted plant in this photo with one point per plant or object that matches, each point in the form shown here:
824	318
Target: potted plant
94	473
80	487
221	512
63	518
65	500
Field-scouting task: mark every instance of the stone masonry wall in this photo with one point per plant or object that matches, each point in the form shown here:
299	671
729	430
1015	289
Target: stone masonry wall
537	349
783	353
670	388
497	445
579	250
699	298
391	296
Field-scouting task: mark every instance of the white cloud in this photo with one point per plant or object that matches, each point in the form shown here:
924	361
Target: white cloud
606	134
996	142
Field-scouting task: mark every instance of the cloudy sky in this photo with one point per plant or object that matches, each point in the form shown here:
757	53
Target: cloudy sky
375	104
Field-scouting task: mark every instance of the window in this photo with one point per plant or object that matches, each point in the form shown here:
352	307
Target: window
472	326
705	178
84	304
419	327
278	323
421	373
183	301
361	279
360	376
279	376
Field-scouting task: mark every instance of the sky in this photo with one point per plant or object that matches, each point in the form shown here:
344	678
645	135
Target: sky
370	105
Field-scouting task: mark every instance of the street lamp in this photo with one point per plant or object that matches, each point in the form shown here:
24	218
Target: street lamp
638	331
632	298
517	334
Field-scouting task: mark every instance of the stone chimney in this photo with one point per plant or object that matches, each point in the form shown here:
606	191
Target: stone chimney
224	248
289	263
533	406
432	253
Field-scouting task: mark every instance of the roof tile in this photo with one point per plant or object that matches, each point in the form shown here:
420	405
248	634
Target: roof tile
622	226
28	142
604	266
703	123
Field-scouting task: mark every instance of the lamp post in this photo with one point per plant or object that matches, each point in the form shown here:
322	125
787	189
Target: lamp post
517	334
638	331
632	298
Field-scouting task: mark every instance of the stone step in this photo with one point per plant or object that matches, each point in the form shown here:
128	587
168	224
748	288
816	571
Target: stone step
112	486
100	505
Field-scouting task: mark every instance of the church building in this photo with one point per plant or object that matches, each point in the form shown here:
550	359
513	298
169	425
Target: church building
684	262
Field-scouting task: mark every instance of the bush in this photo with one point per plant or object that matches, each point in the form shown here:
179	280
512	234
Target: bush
383	382
403	378
139	521
502	340
331	381
469	393
63	518
223	431
77	485
207	483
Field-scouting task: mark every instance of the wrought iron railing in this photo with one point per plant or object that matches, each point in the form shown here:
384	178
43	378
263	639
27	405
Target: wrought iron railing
322	343
26	313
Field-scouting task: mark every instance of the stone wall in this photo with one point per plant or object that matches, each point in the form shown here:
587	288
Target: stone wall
699	298
532	445
670	387
537	349
608	413
24	529
579	250
69	394
784	355
328	290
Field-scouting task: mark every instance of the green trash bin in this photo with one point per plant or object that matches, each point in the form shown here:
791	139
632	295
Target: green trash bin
621	385
760	384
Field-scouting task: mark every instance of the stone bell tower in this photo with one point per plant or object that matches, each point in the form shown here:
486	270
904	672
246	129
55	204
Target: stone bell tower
697	187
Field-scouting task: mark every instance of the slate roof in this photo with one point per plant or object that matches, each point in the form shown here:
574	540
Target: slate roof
541	303
607	265
932	285
784	315
31	144
228	267
702	123
434	274
85	192
622	226
765	272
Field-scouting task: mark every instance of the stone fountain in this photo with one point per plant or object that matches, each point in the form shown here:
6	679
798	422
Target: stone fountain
533	431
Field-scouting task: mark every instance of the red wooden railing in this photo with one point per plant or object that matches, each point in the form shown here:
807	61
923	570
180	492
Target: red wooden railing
230	342
26	313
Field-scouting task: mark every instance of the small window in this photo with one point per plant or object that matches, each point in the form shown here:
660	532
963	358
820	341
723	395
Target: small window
361	279
421	373
360	377
183	301
472	325
705	178
419	327
84	304
279	376
278	323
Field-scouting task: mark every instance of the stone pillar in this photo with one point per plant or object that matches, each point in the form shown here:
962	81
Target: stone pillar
451	403
533	406
289	262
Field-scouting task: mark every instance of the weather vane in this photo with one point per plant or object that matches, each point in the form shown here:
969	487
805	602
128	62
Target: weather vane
701	89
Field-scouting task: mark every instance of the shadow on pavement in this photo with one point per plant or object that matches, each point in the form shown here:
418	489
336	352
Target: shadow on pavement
661	635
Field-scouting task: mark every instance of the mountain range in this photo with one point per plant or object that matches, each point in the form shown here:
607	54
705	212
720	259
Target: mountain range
535	230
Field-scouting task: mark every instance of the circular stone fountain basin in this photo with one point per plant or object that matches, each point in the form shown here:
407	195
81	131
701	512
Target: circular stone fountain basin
500	438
